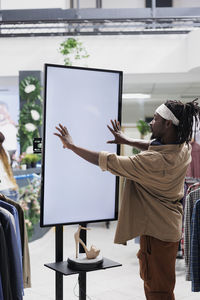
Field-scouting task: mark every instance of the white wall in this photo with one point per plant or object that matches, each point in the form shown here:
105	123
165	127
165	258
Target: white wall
123	3
140	54
132	54
186	3
24	4
193	50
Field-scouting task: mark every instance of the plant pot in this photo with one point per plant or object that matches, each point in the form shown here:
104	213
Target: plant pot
33	165
23	167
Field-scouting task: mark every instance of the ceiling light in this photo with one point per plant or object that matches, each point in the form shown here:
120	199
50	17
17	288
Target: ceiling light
136	96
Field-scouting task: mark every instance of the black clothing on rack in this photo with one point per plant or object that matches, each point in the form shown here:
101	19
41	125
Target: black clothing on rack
4	266
14	265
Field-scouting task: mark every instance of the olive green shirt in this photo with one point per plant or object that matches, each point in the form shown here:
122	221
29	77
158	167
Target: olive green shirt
153	189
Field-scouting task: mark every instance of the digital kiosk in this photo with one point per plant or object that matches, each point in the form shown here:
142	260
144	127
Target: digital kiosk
74	191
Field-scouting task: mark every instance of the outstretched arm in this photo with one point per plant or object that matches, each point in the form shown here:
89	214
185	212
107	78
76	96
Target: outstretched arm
121	138
63	134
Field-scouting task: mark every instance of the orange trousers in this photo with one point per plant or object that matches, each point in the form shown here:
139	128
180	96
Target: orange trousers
157	261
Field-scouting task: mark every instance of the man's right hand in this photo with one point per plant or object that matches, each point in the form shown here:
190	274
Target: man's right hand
119	136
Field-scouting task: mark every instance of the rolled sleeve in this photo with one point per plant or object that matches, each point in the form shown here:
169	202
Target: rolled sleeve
103	160
117	165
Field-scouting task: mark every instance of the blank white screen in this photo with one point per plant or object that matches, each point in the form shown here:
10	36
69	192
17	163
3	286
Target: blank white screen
84	100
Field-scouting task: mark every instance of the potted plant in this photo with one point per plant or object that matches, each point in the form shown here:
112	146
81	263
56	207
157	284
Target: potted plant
34	159
26	160
144	129
72	50
30	160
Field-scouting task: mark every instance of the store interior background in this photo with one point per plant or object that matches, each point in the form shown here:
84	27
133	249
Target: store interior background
156	67
165	66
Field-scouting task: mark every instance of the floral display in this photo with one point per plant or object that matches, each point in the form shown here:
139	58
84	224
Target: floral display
29	88
30	203
30	127
30	118
35	115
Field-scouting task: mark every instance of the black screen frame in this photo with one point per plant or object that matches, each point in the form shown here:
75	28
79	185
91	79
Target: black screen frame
43	145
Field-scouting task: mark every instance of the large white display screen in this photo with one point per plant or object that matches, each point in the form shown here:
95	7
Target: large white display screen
84	100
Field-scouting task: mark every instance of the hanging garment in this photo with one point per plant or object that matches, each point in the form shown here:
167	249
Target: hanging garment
5	211
197	136
189	205
24	241
195	185
191	184
195	248
194	167
15	269
1	290
14	213
4	269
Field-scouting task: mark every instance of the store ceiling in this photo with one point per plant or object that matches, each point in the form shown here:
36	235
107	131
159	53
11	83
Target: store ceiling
173	85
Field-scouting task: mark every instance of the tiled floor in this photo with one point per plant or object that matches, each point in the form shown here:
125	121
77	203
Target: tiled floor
121	283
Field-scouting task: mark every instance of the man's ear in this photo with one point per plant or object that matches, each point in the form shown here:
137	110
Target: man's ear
168	123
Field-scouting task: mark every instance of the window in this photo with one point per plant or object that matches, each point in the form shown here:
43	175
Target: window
159	3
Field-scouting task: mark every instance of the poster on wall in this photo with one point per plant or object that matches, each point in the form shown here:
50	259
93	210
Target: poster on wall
85	100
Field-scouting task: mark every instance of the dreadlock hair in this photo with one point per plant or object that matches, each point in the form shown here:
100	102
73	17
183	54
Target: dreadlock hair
187	114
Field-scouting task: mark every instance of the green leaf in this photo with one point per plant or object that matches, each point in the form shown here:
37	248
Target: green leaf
72	49
143	127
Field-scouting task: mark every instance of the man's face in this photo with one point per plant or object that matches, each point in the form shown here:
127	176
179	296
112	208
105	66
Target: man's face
157	127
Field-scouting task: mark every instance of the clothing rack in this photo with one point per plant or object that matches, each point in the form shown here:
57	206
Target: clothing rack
192	233
14	252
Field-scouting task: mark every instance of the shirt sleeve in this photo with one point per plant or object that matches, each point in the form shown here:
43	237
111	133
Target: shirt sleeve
118	165
141	168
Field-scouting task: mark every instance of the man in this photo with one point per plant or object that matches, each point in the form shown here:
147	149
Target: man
154	186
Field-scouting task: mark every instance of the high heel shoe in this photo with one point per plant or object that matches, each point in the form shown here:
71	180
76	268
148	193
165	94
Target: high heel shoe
90	254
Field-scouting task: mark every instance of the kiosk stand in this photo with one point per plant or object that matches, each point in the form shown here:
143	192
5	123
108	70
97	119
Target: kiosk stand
61	267
83	96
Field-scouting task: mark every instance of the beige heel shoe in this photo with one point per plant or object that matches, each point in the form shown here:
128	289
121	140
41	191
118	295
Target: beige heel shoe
90	254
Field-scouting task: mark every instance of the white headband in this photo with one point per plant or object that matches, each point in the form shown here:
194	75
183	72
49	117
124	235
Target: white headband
167	114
